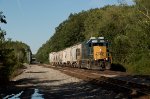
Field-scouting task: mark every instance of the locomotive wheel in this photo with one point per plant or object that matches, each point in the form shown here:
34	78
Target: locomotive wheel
102	67
108	66
88	66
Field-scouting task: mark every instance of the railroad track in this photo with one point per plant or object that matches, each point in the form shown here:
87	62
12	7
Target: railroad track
114	80
132	86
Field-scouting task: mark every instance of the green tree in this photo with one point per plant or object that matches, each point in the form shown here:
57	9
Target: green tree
12	55
126	27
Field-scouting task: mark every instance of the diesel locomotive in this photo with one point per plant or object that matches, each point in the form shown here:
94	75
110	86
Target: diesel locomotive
91	54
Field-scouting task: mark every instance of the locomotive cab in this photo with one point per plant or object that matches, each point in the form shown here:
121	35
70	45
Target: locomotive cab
99	52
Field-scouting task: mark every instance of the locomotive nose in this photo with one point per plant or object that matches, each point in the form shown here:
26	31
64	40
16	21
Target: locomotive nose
100	50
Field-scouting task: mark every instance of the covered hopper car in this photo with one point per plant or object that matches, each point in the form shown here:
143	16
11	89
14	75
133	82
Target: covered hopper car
92	54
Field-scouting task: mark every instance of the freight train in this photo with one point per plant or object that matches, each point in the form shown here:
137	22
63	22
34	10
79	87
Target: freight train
91	54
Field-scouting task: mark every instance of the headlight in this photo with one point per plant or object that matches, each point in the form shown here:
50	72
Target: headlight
106	58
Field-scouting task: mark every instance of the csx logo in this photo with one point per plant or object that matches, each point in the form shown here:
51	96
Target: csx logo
102	53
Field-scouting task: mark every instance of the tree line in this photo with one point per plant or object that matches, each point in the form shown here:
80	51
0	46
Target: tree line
12	55
126	27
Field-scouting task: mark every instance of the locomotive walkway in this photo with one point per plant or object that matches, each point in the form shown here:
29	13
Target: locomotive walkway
38	82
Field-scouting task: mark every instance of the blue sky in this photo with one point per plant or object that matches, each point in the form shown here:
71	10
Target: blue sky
34	21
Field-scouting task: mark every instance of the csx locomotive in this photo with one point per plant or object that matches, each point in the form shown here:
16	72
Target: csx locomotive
91	54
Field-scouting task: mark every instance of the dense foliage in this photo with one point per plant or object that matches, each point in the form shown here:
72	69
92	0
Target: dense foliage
12	55
126	27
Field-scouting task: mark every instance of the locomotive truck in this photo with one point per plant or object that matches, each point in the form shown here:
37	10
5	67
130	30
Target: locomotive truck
91	54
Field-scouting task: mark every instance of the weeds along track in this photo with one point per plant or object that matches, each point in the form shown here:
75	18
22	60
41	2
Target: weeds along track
112	80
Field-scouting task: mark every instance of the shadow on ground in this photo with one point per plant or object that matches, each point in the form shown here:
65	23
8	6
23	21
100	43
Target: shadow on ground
34	81
118	67
36	72
82	90
76	90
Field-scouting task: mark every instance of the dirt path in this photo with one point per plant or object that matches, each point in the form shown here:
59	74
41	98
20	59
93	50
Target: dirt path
36	75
